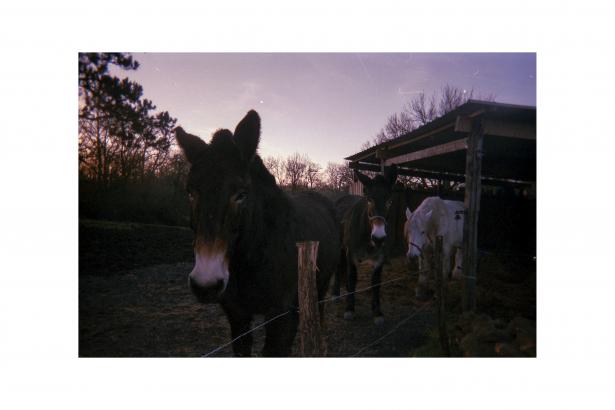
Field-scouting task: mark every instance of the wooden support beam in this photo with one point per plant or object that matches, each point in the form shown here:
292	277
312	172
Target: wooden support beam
499	128
311	342
472	208
381	154
450	176
441	291
452	146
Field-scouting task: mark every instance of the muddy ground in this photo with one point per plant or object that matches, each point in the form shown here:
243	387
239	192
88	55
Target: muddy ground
149	312
130	309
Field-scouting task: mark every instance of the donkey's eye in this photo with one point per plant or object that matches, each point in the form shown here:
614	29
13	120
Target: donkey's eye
241	196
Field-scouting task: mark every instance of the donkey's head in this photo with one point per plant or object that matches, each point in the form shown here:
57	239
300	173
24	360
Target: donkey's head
416	231
378	191
219	188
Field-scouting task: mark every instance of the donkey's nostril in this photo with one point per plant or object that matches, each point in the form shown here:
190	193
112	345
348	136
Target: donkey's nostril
219	286
378	240
206	294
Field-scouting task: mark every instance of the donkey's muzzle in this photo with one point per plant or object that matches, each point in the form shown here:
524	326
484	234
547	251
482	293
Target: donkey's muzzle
378	241
206	294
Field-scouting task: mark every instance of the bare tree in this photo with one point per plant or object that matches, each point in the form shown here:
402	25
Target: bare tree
276	165
421	110
452	97
312	173
397	125
339	176
295	168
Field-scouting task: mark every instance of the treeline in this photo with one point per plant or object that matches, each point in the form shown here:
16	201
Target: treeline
298	172
131	170
121	136
128	169
129	166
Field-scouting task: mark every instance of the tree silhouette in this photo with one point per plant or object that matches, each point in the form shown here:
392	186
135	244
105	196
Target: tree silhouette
119	136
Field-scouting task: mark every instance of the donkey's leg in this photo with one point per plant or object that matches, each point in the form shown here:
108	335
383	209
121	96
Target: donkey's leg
351	285
240	323
458	270
280	334
376	278
421	291
339	273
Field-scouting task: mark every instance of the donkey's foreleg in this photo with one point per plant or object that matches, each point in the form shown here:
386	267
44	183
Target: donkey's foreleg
240	324
351	284
376	278
457	269
340	273
280	334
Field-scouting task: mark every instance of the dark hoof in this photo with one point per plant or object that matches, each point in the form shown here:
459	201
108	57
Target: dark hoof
348	315
379	320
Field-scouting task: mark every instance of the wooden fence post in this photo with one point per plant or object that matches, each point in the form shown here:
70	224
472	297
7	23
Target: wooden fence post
474	155
310	340
441	286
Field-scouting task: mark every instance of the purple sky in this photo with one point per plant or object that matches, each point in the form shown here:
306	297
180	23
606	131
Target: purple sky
322	105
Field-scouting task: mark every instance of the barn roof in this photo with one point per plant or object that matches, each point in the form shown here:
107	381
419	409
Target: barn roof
438	148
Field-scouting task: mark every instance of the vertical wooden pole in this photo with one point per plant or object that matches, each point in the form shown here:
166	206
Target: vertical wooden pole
474	155
310	342
380	154
441	295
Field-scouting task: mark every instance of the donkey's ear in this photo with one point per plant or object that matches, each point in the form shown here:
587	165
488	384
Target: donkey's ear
390	174
190	144
365	180
408	213
247	135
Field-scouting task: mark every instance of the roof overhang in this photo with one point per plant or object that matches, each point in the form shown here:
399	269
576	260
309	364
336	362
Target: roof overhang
439	147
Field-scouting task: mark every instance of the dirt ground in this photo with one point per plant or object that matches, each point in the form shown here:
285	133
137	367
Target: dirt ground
149	312
134	303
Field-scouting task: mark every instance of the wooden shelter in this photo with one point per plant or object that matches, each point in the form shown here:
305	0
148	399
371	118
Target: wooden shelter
478	143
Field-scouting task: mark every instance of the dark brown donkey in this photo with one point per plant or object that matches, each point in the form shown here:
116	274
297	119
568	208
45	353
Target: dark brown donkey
245	234
364	236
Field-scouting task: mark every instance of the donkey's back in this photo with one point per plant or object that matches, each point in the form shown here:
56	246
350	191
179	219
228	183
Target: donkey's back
316	221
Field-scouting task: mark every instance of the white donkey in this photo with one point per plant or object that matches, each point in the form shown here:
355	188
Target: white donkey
435	217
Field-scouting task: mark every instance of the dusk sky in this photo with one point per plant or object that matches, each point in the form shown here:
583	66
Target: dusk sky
322	105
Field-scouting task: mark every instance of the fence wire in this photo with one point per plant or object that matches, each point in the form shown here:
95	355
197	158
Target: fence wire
390	332
217	349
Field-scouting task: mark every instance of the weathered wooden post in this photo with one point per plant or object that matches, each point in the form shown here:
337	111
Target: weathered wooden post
310	340
474	155
381	155
441	295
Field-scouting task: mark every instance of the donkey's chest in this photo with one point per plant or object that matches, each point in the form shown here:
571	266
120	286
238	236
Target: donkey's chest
369	256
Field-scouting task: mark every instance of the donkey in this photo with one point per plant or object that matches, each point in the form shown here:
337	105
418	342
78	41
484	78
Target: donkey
246	229
433	217
363	223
